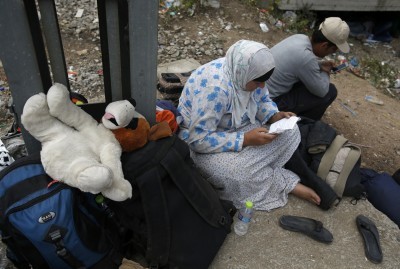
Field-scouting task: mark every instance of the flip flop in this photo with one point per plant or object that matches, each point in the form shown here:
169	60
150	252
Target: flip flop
310	227
370	235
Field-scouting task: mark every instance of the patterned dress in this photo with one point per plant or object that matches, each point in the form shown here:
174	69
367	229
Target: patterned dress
239	173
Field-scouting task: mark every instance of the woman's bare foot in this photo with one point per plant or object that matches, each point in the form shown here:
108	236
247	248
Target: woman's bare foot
306	193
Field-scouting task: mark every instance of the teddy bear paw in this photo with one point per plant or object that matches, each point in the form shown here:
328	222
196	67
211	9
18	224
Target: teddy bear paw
58	99
35	116
95	179
36	105
119	191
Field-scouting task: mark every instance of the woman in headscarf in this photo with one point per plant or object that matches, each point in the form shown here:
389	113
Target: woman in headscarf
225	107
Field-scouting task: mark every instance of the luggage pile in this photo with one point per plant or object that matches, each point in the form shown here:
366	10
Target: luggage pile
174	219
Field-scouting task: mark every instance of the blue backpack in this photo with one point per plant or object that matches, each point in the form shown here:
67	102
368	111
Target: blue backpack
47	224
383	192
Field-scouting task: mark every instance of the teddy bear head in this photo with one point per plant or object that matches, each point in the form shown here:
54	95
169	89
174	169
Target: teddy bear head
119	114
130	128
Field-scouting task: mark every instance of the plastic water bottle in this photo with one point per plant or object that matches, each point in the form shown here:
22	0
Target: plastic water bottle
244	217
214	3
373	100
103	205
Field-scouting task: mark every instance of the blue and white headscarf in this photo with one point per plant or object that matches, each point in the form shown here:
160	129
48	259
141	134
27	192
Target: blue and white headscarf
246	60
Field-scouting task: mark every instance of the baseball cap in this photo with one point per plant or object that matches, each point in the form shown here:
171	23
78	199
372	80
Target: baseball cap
337	31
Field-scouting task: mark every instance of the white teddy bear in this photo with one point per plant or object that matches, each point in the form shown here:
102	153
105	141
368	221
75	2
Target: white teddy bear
76	149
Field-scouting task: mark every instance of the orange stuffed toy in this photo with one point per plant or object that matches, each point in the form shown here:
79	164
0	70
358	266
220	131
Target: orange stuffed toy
130	128
134	135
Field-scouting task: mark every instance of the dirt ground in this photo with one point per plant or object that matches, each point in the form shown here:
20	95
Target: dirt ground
375	128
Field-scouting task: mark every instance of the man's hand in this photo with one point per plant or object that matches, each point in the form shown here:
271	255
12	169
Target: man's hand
326	66
281	115
257	137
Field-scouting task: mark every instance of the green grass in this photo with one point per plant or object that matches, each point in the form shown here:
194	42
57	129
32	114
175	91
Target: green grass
380	75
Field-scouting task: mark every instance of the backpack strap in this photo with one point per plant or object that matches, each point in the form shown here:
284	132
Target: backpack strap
157	220
155	208
55	236
351	160
329	156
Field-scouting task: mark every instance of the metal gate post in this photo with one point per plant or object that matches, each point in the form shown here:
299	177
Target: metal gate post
23	63
128	36
143	23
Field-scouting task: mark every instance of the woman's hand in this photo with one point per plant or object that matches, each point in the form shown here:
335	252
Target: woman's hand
257	137
281	115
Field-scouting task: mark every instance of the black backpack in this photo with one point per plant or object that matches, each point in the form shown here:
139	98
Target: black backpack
175	218
48	224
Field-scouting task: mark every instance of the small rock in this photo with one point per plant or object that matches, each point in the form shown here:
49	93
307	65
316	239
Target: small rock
82	52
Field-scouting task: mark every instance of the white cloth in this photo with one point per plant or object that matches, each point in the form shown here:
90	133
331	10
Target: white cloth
245	61
5	158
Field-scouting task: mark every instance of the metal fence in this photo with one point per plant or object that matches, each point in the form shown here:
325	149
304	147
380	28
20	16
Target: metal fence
32	53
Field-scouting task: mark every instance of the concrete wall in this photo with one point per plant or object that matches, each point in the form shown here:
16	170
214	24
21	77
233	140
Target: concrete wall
341	5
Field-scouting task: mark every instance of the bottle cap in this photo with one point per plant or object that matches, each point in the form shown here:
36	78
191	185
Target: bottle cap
99	199
249	204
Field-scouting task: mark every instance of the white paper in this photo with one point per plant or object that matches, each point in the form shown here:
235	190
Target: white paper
283	124
79	13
